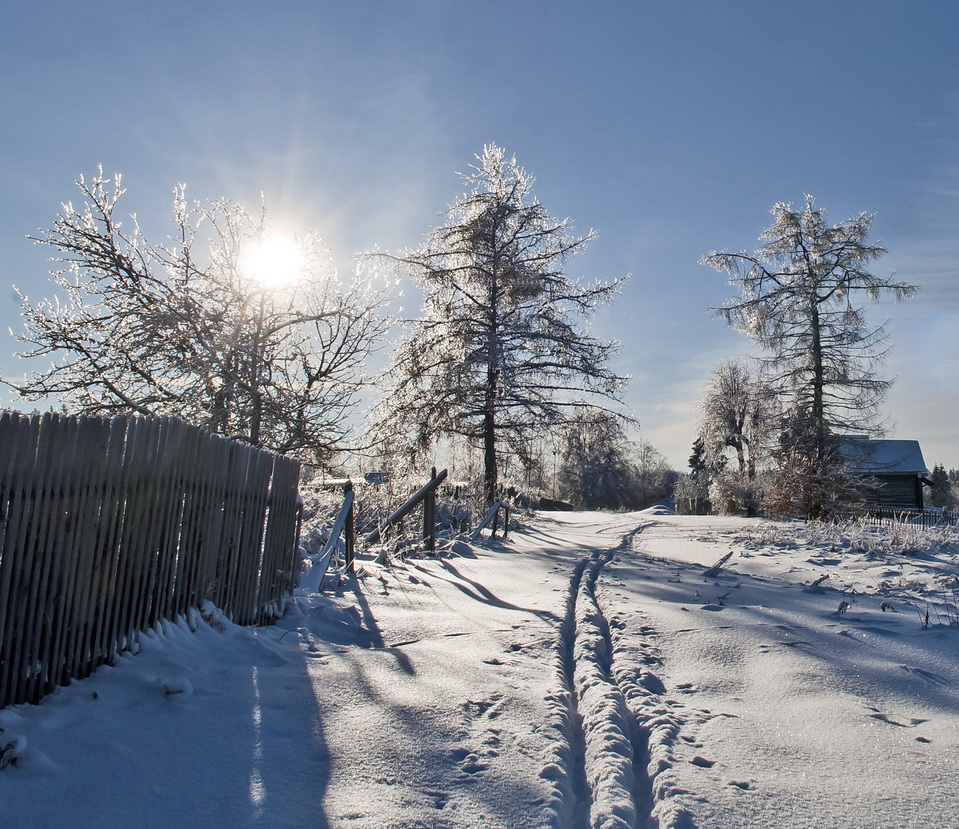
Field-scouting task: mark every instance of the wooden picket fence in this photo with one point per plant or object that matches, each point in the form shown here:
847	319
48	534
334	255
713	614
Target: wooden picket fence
925	518
108	526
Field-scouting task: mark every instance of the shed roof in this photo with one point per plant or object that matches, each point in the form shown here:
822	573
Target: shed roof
884	457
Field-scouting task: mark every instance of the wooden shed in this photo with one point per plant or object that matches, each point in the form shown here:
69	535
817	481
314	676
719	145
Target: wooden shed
895	468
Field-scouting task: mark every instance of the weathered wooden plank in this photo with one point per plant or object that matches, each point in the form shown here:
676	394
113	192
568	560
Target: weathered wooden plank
24	433
211	519
85	479
280	556
55	451
138	462
145	508
172	468
186	565
246	550
253	547
99	642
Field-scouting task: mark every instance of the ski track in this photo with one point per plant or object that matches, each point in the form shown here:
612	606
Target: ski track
611	768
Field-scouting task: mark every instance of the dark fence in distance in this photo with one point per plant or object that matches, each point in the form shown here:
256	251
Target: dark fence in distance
693	506
109	526
927	518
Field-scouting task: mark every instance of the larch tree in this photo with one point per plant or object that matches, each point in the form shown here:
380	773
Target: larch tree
225	324
501	349
801	301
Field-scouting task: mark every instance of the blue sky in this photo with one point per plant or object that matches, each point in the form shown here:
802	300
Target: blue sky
670	128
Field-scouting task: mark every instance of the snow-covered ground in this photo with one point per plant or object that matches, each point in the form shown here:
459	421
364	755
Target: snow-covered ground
588	672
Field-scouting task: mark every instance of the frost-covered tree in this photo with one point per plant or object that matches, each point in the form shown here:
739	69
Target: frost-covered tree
812	480
202	326
595	469
600	468
737	414
941	494
655	478
738	420
501	349
800	300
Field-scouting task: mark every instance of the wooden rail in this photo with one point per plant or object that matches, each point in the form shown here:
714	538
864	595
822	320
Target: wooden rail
492	518
425	495
343	528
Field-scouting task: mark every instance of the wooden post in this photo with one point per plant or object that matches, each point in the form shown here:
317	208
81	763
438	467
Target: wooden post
349	530
429	516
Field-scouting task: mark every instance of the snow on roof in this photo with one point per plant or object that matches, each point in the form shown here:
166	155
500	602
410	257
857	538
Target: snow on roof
885	457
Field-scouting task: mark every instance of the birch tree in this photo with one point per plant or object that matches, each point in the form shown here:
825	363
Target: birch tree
502	348
200	327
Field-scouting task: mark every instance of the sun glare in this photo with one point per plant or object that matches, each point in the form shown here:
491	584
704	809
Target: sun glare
274	261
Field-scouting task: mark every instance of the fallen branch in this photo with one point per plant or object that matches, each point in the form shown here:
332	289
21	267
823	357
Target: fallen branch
714	571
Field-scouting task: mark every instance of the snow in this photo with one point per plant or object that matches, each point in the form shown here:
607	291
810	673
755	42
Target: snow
583	673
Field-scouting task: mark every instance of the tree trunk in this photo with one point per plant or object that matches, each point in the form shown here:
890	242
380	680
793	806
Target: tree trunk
490	473
818	412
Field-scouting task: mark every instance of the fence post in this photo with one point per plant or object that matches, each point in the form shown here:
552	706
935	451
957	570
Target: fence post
349	529
429	516
491	519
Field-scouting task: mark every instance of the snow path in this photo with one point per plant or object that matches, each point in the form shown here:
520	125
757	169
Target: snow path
620	732
584	674
608	742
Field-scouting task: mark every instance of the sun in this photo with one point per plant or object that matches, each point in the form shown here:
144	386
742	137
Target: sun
273	261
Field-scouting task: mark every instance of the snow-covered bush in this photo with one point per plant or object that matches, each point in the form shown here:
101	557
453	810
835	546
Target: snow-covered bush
731	494
857	535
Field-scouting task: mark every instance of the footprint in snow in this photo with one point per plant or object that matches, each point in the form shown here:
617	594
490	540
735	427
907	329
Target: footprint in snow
482	707
470	762
929	676
912	722
440	799
493	739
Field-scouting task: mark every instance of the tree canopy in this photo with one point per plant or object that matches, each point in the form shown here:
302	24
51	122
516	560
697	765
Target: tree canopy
800	301
195	328
502	348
